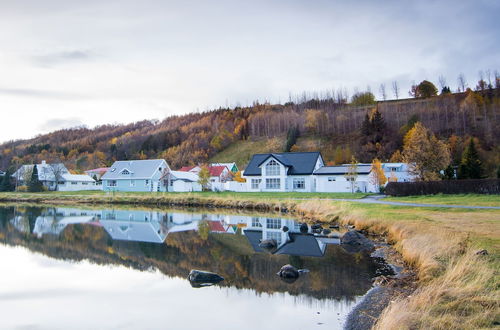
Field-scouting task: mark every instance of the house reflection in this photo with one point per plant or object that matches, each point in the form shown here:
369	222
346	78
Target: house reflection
154	227
290	242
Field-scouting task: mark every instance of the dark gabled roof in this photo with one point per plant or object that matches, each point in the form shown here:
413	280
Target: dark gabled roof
341	170
305	245
298	163
254	237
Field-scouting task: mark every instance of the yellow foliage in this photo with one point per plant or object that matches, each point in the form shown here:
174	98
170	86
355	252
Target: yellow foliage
237	177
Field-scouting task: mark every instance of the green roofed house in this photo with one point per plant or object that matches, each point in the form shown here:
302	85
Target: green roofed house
136	175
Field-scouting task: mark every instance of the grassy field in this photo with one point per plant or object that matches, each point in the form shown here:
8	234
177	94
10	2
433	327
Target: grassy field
241	151
464	199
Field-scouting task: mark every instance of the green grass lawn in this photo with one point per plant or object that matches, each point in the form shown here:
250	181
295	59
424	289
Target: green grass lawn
463	199
205	194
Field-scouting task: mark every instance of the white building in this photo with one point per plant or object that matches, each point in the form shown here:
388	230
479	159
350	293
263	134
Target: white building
336	179
55	177
291	171
180	181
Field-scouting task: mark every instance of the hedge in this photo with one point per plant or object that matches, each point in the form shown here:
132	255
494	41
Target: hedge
476	186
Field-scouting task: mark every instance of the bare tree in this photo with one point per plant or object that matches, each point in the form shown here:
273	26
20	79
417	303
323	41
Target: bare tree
442	82
382	91
395	89
58	169
462	83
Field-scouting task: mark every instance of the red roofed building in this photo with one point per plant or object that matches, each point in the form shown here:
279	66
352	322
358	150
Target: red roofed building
219	174
193	169
216	227
97	172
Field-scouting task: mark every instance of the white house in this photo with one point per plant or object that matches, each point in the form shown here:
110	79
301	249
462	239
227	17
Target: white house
55	177
136	175
179	181
230	166
336	179
76	182
398	172
292	171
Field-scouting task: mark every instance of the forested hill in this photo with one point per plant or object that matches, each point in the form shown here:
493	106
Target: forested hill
326	124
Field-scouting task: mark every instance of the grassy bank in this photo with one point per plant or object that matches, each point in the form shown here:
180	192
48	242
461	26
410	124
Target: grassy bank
457	288
458	199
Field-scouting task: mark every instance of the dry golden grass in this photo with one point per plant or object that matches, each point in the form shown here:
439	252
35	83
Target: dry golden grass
458	289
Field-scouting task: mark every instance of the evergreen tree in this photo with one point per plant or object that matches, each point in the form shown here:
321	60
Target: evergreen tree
34	185
366	127
470	167
378	123
291	138
449	173
498	172
445	90
6	182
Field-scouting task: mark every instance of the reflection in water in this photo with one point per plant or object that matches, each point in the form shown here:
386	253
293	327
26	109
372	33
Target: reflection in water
174	242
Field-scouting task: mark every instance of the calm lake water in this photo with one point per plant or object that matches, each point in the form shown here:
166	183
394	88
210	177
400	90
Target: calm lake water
68	268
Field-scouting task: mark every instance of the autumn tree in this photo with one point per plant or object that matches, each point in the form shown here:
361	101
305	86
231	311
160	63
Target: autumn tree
377	175
426	89
471	166
204	177
363	98
237	177
352	174
425	154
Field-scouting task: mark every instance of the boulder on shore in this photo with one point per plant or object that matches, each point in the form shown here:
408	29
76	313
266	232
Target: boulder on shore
288	273
353	241
200	278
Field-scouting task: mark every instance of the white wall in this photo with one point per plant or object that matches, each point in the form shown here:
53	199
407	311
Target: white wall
183	186
68	186
342	185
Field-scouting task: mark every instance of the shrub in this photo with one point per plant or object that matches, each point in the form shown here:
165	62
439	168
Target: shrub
484	186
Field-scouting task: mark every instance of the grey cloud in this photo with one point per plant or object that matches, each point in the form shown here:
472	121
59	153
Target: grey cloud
40	93
63	57
59	123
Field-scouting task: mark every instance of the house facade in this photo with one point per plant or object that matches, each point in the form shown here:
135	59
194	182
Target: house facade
48	174
291	171
136	175
179	181
342	179
76	182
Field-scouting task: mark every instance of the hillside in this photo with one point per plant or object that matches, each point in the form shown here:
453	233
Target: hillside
328	125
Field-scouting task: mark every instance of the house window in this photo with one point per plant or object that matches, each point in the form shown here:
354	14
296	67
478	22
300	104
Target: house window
331	179
111	183
125	171
273	168
272	223
85	183
256	183
74	182
274	235
61	183
256	222
132	183
299	183
273	183
146	182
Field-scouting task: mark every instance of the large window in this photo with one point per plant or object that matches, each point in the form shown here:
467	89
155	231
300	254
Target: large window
299	183
256	222
276	235
111	183
273	168
256	183
272	223
273	183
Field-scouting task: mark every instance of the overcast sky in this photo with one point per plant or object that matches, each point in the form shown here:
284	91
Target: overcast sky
65	63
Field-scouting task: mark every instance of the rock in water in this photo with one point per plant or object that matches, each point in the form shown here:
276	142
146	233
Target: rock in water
352	242
268	244
199	278
303	228
288	273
